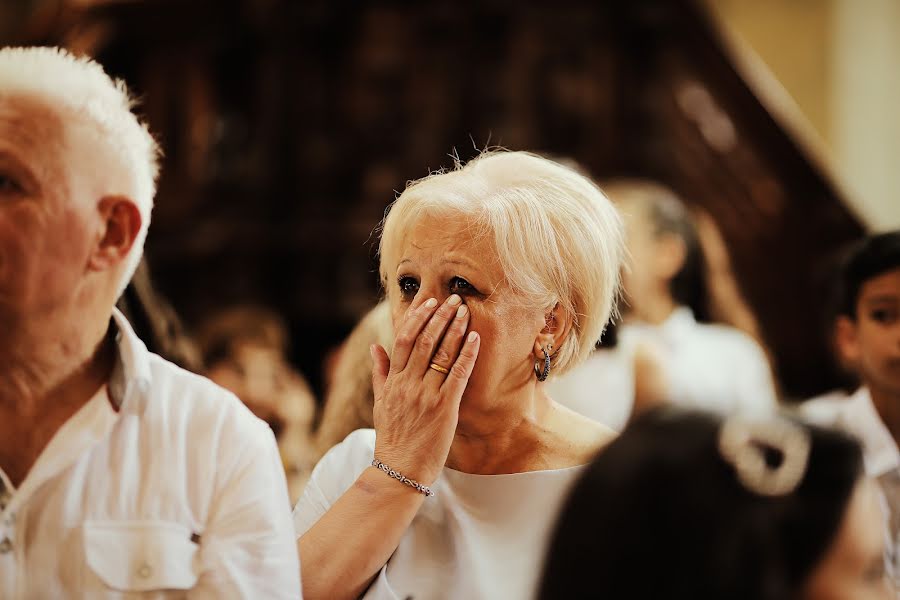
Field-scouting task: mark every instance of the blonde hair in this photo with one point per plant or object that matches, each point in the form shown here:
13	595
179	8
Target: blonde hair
557	237
350	400
82	86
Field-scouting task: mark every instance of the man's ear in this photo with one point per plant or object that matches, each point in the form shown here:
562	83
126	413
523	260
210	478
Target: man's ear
557	325
120	224
671	253
846	341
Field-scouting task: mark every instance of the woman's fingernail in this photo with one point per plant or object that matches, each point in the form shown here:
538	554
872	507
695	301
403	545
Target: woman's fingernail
473	335
454	300
461	311
430	303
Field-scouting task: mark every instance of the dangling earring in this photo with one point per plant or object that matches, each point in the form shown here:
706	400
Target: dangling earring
542	374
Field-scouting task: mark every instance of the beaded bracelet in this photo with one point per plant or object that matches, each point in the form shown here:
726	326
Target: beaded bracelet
422	489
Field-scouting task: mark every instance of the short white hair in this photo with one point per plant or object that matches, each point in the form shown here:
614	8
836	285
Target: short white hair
558	238
80	85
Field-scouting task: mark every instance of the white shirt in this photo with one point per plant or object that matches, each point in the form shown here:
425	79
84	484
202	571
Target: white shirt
178	493
708	367
479	537
857	416
601	388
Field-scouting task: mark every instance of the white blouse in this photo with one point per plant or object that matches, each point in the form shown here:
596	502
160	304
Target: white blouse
480	536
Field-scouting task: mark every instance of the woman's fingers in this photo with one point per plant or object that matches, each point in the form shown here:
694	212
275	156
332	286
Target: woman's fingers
430	337
458	377
408	333
448	348
381	366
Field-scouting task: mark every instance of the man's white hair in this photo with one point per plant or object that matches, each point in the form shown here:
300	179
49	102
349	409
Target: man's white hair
80	85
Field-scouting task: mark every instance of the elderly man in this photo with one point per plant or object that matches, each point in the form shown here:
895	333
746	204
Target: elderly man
119	472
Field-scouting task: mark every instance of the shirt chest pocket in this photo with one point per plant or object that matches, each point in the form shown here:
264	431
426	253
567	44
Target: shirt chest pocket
139	556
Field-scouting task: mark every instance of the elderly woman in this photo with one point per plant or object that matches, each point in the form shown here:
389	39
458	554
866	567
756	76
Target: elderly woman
497	273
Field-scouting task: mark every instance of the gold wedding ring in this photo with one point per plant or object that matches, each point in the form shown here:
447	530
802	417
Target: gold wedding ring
438	368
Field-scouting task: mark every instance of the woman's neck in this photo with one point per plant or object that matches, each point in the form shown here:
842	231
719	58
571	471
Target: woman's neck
509	437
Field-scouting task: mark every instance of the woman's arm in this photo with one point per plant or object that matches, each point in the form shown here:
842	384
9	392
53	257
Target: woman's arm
354	539
416	412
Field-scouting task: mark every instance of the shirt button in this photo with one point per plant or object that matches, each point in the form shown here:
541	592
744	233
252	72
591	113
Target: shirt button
5	546
145	571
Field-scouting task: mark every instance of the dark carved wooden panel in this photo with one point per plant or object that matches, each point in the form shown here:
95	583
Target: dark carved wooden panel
288	126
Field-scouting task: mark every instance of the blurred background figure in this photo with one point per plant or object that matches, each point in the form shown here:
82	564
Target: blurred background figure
686	506
287	127
614	383
156	322
245	351
867	340
725	302
667	303
349	397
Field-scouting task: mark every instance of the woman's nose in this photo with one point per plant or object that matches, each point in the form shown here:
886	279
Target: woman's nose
436	291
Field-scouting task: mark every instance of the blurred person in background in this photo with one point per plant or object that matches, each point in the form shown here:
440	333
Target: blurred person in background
725	303
513	260
120	473
615	383
349	399
245	351
867	340
617	380
156	323
705	365
686	505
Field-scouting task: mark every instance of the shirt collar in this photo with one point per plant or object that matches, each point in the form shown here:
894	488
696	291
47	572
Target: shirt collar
880	450
679	323
130	379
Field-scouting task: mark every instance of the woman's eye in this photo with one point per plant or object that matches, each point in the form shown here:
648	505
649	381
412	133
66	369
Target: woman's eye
458	285
408	287
8	185
884	315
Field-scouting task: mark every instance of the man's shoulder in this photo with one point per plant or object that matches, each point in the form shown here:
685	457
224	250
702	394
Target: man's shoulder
178	395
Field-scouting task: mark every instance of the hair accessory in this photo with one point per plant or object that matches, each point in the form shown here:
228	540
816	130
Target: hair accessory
743	443
439	368
543	374
422	489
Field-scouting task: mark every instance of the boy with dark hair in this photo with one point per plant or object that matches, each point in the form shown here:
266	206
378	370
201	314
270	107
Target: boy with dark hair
867	339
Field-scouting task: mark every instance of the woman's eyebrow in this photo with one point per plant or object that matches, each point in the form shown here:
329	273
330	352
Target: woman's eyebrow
883	298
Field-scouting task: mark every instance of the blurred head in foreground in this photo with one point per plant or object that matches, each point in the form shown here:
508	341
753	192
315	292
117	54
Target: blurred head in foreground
686	505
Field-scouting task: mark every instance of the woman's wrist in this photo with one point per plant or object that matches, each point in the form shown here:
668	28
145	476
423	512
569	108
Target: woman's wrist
401	478
373	482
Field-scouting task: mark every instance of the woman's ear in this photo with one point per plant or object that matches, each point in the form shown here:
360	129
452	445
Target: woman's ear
557	325
120	224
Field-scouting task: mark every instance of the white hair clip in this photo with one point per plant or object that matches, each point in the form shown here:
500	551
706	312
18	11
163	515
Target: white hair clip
743	443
